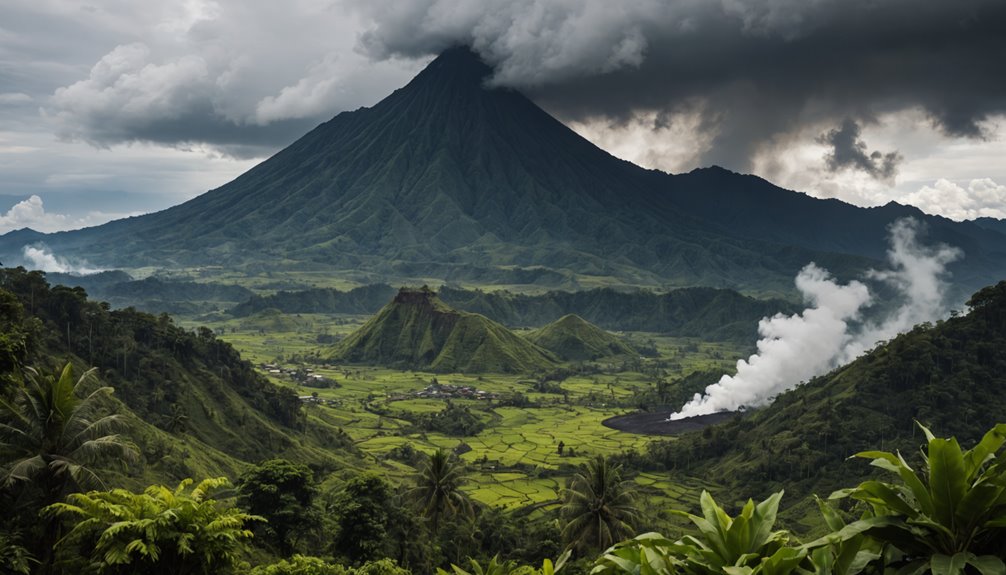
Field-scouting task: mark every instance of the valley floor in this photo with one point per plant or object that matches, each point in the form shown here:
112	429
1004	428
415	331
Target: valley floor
515	459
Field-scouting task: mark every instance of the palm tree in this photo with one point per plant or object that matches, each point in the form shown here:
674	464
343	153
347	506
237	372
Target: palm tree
598	506
50	435
438	489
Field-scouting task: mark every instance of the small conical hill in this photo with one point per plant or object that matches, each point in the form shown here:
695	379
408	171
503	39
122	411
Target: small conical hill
575	339
418	331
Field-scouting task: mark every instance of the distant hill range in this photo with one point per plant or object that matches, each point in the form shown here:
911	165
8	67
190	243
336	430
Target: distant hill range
418	331
448	178
153	294
713	314
574	339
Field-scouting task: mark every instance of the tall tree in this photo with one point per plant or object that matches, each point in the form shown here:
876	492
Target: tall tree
438	489
364	513
51	434
598	506
283	492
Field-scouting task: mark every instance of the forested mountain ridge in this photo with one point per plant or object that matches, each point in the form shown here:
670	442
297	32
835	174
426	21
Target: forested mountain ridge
452	177
950	376
713	314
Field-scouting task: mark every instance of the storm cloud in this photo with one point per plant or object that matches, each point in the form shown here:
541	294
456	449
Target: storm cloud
849	151
754	71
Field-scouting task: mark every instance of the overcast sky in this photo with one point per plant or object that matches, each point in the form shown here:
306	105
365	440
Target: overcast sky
117	107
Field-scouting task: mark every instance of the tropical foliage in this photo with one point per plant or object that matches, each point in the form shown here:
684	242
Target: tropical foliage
282	492
14	558
180	531
950	514
301	565
496	566
437	491
947	518
598	506
53	429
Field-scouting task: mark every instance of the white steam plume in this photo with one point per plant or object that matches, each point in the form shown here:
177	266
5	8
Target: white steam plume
40	258
830	332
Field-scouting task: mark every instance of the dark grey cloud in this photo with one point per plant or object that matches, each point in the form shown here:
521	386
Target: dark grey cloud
248	76
849	151
754	70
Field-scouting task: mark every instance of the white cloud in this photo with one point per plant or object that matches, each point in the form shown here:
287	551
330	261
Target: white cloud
31	213
982	198
231	75
126	90
669	142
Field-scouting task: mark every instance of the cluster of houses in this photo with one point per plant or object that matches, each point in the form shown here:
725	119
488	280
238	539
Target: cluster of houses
301	375
448	391
313	398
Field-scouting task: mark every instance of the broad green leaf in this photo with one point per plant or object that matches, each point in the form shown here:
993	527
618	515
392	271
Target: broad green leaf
919	490
929	434
783	561
883	494
986	448
977	503
763	519
831	517
987	564
852	530
947	564
947	478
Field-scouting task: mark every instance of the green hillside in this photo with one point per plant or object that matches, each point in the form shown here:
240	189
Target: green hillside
418	331
574	339
195	406
950	376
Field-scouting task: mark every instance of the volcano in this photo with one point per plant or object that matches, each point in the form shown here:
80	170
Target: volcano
450	177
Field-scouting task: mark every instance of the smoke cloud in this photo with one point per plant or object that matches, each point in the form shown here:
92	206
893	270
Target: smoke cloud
832	330
41	258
